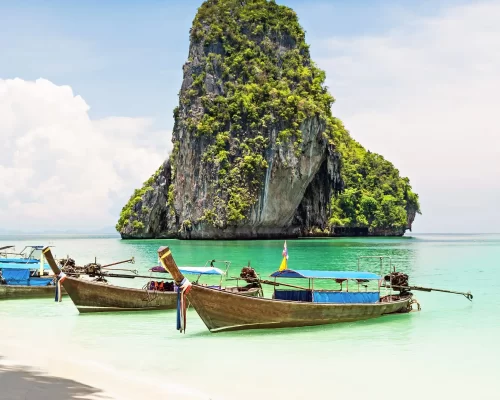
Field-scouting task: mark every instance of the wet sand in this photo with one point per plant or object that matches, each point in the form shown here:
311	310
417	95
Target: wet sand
22	382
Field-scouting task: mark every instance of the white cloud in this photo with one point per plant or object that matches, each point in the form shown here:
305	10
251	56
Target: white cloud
426	96
61	170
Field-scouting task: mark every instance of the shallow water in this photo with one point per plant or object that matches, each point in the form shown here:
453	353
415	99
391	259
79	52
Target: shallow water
450	349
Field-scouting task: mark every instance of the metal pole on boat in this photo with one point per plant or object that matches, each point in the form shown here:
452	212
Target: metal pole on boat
41	264
467	295
390	276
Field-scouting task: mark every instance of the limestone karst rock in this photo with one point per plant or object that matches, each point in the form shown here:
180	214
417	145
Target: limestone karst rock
257	152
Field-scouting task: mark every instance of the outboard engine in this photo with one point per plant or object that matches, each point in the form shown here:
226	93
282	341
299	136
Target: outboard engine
250	276
397	279
92	269
67	263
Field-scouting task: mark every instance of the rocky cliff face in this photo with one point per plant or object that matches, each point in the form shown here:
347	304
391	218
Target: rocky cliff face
255	146
312	215
147	215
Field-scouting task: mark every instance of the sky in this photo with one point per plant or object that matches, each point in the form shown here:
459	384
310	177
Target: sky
87	91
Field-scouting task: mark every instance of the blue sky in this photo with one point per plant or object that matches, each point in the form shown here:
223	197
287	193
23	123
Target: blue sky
126	57
403	73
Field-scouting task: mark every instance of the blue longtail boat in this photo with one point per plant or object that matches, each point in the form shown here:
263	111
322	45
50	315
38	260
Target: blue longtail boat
24	274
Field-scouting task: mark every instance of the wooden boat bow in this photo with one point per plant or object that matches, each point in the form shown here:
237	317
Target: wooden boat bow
51	261
169	263
184	286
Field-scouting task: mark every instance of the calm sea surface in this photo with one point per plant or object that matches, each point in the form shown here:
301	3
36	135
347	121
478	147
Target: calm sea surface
449	350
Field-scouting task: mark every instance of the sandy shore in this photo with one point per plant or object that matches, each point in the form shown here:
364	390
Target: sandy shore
22	382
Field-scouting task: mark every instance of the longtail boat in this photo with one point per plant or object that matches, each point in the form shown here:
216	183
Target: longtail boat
98	296
295	306
26	275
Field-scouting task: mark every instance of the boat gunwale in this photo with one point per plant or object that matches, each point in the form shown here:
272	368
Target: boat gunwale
107	285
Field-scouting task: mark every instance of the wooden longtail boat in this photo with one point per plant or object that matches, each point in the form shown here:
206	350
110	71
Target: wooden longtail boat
100	297
24	276
224	311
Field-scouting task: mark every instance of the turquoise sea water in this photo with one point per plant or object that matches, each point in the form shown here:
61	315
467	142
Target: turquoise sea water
448	350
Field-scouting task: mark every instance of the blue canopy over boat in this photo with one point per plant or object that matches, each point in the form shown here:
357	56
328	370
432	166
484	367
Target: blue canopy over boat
31	259
201	270
192	270
21	265
315	274
19	260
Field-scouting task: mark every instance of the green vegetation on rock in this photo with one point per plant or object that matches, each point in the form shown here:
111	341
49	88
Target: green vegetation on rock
268	81
375	196
128	215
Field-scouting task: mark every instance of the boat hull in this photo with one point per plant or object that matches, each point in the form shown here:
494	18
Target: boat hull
222	311
91	297
11	292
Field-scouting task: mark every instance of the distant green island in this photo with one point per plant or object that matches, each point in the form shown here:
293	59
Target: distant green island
257	152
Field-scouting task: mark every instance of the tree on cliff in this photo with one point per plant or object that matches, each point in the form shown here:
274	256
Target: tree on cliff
255	142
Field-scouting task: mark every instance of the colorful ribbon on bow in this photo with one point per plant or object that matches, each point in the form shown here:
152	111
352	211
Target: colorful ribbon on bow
60	279
183	289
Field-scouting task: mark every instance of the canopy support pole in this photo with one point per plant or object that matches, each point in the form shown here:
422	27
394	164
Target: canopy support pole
41	264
